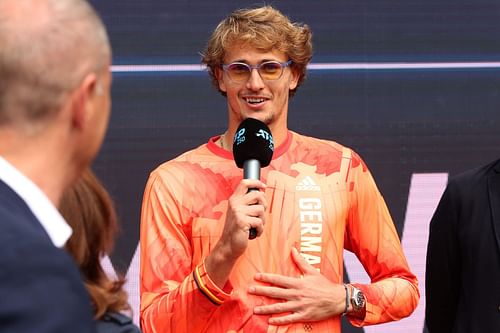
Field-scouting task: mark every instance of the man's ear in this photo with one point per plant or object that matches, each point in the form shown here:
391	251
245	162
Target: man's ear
81	99
219	74
294	80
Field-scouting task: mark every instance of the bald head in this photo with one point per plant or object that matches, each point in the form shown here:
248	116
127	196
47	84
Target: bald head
47	48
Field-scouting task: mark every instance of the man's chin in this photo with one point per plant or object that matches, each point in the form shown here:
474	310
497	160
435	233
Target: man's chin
266	119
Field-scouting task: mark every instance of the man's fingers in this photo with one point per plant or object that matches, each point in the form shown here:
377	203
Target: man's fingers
246	184
302	263
277	280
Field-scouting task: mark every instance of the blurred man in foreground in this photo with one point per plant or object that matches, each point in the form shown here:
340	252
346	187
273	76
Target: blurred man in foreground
55	80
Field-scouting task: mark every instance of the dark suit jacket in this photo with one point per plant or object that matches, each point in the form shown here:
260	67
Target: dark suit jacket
40	286
463	255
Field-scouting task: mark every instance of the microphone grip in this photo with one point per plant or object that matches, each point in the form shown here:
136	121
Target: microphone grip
251	170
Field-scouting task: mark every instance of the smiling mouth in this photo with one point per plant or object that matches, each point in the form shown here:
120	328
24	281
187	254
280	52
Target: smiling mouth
254	100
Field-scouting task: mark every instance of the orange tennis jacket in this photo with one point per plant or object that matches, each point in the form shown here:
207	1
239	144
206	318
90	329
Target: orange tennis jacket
321	198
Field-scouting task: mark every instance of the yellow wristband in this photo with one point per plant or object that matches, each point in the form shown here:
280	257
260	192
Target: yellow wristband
203	289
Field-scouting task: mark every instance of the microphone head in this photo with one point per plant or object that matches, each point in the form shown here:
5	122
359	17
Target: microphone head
253	140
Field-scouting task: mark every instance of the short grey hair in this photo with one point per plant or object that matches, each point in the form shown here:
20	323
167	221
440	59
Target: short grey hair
47	48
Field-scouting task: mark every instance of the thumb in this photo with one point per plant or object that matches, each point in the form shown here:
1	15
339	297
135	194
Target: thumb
302	263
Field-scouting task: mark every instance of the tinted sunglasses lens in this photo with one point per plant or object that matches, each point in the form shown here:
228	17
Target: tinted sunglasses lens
270	70
238	72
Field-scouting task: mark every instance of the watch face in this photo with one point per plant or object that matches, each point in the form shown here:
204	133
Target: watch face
358	299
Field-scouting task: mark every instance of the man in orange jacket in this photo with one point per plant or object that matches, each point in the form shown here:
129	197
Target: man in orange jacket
199	270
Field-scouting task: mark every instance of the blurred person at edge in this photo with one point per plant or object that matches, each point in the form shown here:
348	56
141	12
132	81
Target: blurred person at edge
462	276
55	80
199	270
90	212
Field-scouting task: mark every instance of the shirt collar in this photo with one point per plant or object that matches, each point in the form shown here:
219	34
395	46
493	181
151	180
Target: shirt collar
47	214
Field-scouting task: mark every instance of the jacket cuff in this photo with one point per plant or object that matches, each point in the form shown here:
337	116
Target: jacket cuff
207	287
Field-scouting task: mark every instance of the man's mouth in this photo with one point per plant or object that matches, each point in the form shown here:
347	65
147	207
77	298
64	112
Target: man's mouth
254	100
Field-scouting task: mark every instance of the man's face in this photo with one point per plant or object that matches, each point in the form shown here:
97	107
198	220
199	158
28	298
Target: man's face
255	97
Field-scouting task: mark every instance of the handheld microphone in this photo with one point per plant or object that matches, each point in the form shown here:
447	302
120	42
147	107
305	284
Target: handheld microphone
253	148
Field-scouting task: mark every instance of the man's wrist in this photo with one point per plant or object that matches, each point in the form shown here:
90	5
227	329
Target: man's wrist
219	266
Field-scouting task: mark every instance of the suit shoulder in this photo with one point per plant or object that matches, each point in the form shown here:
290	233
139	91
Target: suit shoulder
476	175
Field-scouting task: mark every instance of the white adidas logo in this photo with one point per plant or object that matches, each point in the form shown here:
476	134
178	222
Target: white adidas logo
307	184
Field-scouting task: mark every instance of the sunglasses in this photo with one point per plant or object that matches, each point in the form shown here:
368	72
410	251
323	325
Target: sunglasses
269	70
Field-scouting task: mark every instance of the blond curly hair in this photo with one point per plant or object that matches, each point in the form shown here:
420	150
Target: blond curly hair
264	28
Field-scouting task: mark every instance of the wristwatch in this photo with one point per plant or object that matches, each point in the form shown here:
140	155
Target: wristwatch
358	302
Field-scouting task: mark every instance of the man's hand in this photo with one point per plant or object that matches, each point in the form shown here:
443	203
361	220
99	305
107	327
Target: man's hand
311	297
245	210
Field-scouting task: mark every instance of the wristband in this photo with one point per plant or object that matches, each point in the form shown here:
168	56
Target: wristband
346	300
203	289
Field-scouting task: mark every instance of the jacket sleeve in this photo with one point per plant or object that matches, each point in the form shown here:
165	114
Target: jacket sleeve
176	293
371	235
442	276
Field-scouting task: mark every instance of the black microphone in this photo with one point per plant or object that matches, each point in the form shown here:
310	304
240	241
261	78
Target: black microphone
253	148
